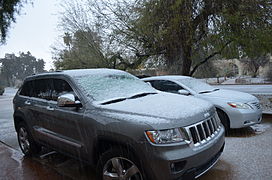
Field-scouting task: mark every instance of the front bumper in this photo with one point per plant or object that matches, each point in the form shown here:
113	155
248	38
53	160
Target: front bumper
183	162
240	118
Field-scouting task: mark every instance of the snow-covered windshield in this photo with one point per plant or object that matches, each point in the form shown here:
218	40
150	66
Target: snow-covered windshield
197	85
105	86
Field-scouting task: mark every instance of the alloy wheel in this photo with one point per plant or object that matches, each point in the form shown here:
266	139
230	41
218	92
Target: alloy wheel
23	140
119	168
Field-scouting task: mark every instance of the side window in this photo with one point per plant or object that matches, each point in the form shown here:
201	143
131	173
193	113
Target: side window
60	87
43	88
167	86
27	89
152	83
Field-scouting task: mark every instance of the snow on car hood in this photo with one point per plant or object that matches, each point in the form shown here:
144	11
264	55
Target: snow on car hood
161	108
230	96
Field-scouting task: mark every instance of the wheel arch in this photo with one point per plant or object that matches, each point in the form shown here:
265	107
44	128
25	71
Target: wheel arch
18	118
103	144
220	110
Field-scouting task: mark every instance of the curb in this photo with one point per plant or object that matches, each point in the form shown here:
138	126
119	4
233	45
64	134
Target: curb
267	113
8	146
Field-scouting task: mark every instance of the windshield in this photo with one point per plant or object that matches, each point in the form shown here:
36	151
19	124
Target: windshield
102	87
197	85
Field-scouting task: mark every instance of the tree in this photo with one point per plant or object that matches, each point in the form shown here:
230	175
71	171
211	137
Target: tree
175	30
82	51
8	10
18	67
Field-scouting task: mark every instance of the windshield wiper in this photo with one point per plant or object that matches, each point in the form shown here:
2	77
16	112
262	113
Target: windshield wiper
122	99
202	92
113	101
140	95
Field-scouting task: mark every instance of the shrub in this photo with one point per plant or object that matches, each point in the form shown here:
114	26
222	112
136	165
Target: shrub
2	90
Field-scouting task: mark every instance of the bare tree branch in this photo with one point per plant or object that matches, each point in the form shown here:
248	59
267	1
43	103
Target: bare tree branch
209	57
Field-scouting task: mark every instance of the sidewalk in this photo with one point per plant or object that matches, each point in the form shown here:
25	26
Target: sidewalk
13	165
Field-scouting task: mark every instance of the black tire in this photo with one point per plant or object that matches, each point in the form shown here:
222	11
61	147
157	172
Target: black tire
125	158
224	120
26	142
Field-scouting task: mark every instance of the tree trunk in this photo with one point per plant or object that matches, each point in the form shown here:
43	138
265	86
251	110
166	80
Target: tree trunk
174	62
186	60
186	65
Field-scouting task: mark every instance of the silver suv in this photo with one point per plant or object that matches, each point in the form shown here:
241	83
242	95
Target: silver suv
118	123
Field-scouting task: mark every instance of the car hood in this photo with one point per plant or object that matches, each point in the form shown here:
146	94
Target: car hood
162	110
229	96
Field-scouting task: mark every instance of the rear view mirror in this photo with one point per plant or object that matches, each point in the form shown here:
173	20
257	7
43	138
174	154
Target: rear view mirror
184	92
68	100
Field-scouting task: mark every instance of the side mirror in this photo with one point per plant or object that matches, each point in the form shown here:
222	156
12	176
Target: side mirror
68	100
184	92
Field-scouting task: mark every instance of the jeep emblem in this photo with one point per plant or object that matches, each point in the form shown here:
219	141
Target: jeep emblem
206	114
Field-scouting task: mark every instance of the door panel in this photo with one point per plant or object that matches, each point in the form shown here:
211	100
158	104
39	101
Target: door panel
63	124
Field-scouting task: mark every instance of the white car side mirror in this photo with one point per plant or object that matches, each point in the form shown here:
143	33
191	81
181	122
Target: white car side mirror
184	92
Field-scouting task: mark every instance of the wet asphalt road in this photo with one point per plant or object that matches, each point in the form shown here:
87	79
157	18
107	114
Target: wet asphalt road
247	154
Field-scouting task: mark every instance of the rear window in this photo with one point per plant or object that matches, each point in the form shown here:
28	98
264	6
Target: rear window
40	88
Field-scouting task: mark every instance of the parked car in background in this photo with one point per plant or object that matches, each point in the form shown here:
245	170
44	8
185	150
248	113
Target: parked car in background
235	109
2	90
117	122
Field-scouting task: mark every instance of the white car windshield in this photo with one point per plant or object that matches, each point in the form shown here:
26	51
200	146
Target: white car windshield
197	85
109	87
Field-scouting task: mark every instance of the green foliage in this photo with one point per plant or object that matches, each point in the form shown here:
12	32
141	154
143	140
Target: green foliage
180	35
82	51
18	67
182	28
8	10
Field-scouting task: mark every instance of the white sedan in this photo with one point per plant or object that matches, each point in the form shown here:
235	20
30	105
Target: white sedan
235	109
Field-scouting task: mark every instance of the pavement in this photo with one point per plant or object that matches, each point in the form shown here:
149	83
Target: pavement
13	165
247	154
7	131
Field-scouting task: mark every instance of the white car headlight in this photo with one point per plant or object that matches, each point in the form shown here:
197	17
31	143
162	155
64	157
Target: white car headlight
239	105
167	136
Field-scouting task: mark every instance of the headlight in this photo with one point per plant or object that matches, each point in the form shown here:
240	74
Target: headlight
167	136
239	105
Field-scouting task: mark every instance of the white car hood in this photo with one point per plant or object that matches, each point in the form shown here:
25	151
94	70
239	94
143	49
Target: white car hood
229	95
162	105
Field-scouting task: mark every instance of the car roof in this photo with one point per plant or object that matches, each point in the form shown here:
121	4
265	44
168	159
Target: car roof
75	72
168	77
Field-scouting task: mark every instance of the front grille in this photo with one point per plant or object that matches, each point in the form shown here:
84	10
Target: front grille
203	131
256	105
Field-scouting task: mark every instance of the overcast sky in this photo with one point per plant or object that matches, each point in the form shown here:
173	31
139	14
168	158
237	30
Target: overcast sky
35	30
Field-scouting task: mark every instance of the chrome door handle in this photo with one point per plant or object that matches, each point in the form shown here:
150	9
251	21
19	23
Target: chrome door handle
27	102
49	108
